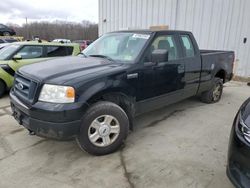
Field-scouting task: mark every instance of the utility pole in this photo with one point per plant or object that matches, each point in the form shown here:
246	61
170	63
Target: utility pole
27	32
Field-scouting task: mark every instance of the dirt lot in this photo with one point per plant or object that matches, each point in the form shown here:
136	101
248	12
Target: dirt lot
182	145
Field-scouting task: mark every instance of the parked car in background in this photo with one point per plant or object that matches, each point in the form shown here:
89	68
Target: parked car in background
6	31
19	54
83	43
95	96
238	165
7	40
62	40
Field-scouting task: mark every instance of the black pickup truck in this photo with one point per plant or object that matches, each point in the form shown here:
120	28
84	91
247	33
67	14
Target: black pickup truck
95	96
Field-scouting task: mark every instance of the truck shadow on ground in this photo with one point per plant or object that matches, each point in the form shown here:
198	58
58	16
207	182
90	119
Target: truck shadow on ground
150	119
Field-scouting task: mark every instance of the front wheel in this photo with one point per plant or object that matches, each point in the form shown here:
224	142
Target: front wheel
104	128
214	94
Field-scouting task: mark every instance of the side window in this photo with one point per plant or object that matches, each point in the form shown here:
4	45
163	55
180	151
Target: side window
30	52
2	26
166	42
55	51
1	41
188	46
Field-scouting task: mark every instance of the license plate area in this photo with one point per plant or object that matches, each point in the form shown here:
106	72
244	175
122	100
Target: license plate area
17	114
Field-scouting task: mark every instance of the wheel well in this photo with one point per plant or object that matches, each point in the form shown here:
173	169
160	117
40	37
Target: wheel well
221	74
121	99
5	85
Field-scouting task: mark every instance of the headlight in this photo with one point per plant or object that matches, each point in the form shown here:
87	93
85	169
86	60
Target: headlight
57	94
245	130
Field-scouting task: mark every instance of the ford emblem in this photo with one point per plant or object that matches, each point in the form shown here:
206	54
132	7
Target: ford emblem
20	86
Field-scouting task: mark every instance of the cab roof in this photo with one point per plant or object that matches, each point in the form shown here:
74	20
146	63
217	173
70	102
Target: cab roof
149	31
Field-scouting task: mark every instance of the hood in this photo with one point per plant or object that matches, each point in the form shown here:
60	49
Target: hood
61	70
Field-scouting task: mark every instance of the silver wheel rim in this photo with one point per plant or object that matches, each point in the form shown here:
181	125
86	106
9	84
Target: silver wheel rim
104	130
217	92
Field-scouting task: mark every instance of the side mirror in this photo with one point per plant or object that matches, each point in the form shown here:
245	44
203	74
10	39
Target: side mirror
17	57
159	55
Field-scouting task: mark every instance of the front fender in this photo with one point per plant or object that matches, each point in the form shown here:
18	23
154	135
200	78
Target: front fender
104	86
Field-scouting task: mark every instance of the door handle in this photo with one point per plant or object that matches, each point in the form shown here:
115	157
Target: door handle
133	75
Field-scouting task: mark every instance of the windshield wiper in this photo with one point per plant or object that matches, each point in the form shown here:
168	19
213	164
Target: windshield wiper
102	56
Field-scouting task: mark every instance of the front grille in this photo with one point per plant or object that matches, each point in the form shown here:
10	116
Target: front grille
25	88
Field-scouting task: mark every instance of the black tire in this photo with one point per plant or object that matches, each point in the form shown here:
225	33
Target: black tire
210	96
2	88
104	109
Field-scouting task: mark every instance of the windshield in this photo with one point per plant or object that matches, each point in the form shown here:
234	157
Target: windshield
118	46
7	51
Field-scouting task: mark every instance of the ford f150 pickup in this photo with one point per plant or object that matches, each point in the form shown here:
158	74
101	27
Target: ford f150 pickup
95	96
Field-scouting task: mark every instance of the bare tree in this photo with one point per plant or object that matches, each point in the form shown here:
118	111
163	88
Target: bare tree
59	29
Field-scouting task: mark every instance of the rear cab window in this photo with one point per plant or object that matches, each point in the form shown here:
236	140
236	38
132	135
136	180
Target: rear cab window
57	51
188	47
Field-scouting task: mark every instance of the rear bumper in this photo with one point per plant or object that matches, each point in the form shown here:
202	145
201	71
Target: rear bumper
58	123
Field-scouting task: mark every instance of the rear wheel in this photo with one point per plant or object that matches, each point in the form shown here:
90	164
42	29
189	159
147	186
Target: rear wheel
214	94
2	88
105	127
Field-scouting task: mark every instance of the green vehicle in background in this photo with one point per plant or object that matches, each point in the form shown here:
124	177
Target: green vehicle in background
16	55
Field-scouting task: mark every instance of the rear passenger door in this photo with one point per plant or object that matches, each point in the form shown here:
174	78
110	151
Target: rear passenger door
192	62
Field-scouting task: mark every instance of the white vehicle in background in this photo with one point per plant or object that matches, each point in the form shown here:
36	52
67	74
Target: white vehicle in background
62	40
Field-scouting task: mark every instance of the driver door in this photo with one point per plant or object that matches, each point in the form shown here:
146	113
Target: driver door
162	82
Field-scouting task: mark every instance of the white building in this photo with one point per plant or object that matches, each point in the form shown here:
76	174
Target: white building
216	24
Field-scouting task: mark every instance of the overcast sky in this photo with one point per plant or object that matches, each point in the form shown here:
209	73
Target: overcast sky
15	11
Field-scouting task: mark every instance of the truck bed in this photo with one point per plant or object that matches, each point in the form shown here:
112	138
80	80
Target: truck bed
215	61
